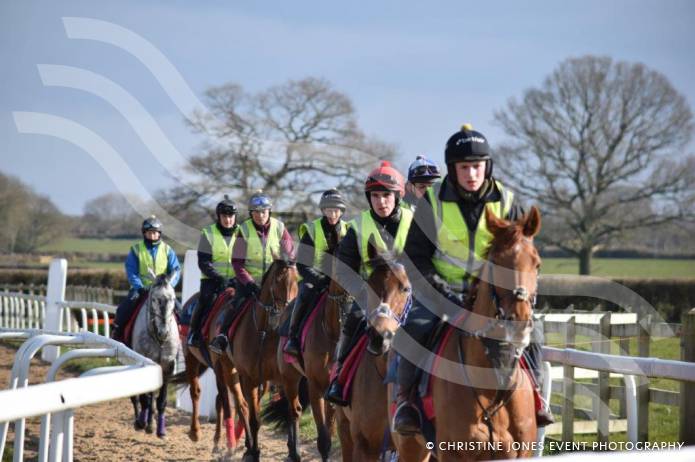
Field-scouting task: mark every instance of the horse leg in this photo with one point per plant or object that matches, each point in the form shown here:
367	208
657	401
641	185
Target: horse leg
134	401
231	379
192	371
321	419
141	419
150	412
161	407
346	444
251	395
225	413
291	387
218	421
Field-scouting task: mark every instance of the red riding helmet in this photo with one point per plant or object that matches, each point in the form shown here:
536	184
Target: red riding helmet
385	178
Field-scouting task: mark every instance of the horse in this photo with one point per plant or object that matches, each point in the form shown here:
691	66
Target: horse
226	380
491	402
254	345
319	347
363	427
156	336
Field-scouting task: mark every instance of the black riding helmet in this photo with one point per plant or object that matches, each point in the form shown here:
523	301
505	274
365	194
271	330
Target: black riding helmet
151	223
467	145
225	207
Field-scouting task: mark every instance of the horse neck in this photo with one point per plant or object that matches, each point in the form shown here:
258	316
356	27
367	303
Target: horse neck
482	308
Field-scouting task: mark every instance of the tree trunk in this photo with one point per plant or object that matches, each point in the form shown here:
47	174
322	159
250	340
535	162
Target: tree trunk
585	256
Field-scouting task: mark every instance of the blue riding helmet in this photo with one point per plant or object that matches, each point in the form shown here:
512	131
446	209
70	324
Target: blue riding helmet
259	201
423	170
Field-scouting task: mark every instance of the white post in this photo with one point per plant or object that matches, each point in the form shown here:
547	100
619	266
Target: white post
208	385
55	293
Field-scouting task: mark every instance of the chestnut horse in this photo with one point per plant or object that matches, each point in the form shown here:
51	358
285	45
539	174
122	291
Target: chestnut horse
481	394
319	348
254	345
363	426
226	380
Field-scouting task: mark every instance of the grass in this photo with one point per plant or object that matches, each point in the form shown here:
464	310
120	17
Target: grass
76	244
663	420
623	267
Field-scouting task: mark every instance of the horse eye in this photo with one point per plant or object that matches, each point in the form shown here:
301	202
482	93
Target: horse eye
406	289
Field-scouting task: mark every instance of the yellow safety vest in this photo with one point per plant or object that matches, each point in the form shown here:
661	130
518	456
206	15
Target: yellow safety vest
317	235
259	257
460	252
159	265
221	251
365	227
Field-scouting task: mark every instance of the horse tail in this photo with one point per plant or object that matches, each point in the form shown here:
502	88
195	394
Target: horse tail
181	378
276	412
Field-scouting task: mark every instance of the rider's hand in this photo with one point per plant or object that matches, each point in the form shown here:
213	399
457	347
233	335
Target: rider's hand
253	289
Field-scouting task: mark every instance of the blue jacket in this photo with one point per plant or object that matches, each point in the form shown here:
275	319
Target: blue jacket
132	266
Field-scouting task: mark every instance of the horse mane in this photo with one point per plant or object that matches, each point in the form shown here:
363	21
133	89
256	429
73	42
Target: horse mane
280	263
382	260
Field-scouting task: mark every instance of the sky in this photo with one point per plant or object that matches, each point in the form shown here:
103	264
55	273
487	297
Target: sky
415	72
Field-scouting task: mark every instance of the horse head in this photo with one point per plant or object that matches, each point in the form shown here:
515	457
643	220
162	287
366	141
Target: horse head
279	288
160	305
388	299
506	290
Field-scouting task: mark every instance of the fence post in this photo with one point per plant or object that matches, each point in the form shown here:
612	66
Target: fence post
191	276
687	420
55	293
568	385
644	336
604	383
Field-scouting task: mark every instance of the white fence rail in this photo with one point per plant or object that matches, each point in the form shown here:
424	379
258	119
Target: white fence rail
137	375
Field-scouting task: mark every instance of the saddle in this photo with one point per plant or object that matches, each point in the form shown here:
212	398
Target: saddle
130	325
238	314
350	365
304	326
220	301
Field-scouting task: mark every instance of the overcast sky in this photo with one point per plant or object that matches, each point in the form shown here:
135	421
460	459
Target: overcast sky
414	70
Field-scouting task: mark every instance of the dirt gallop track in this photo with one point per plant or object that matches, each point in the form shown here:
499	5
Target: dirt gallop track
104	432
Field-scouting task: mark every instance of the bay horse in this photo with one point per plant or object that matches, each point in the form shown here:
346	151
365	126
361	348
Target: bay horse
481	394
253	347
318	355
226	381
363	426
156	336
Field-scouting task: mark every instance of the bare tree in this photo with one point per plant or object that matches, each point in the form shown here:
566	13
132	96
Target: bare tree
28	219
293	141
600	147
110	215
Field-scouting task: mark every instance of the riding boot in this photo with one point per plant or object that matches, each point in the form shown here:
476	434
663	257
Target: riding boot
220	343
124	312
301	305
194	337
334	393
533	355
407	419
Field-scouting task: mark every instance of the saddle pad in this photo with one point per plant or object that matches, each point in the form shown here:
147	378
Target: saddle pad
351	364
130	325
312	315
212	314
232	329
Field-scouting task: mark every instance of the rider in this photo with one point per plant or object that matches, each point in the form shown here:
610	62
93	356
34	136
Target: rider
460	200
215	263
422	174
259	239
388	223
317	239
149	254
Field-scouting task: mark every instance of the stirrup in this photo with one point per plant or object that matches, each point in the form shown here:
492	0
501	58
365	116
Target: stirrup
411	428
219	344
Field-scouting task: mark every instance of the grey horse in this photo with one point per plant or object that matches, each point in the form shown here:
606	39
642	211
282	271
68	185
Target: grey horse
156	336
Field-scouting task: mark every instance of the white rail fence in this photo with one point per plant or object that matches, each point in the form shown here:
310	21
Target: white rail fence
57	401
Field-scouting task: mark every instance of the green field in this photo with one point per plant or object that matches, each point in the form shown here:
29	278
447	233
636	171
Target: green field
623	267
75	244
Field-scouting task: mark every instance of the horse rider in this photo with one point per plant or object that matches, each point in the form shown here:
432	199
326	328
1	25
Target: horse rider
215	263
422	174
260	238
387	222
317	238
462	197
149	254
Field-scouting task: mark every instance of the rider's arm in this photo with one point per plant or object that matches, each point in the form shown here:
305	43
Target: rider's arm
305	260
419	245
132	270
239	260
173	266
348	271
205	259
287	245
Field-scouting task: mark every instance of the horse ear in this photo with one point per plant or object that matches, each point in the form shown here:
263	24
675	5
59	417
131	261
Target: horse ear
372	251
169	276
494	224
532	222
152	273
